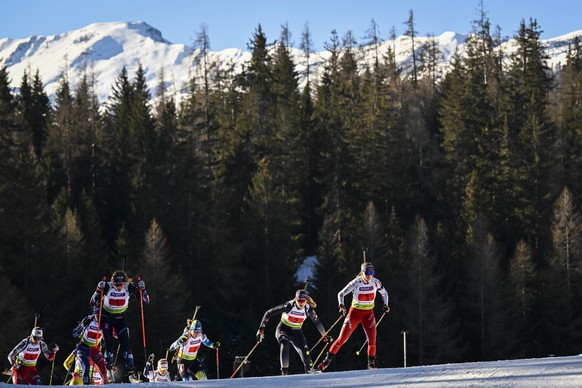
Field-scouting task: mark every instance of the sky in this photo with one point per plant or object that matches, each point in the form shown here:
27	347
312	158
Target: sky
231	23
555	372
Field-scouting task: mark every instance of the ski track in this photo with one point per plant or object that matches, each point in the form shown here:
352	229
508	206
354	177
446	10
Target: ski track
551	372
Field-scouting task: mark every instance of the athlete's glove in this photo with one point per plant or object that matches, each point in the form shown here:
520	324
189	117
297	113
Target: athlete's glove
342	310
216	345
386	308
141	285
260	334
55	348
151	358
328	339
101	285
16	364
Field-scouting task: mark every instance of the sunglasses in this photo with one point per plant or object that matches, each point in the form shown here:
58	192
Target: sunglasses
369	272
37	338
301	300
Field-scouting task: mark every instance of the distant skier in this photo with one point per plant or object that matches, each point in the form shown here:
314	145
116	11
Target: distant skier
113	316
24	356
89	350
159	375
364	288
187	346
289	330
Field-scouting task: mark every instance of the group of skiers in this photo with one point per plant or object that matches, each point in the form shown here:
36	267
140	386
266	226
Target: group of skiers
87	365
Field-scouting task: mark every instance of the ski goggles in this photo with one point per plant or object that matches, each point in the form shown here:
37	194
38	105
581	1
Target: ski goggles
118	279
301	300
163	365
369	272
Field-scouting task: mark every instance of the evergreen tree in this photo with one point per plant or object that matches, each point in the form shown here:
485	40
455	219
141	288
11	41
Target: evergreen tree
433	331
165	284
35	111
13	325
524	280
569	117
120	159
60	150
485	296
531	135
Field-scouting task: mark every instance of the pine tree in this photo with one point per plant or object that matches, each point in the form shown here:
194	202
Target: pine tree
271	248
165	285
486	297
524	278
434	333
61	147
531	135
13	325
119	160
35	110
569	116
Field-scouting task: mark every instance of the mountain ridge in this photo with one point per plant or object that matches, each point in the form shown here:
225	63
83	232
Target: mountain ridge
106	47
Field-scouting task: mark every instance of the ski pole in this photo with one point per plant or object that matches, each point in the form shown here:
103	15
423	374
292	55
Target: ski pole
245	359
115	363
145	353
326	333
217	365
364	344
320	353
52	371
100	308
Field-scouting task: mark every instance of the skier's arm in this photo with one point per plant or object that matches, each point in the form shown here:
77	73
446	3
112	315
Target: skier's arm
350	287
49	353
273	311
179	342
313	316
147	370
81	326
207	342
382	291
133	289
102	286
13	355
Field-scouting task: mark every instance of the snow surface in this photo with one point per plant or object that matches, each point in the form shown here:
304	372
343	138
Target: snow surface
540	372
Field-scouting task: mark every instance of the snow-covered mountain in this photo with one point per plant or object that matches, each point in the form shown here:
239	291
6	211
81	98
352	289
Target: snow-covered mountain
104	48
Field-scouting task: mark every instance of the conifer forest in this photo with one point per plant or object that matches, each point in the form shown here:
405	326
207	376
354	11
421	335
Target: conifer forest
463	189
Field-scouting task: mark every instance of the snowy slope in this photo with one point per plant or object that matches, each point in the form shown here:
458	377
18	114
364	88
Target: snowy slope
104	48
553	372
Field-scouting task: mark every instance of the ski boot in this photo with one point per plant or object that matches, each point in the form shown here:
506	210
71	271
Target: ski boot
372	362
326	361
133	376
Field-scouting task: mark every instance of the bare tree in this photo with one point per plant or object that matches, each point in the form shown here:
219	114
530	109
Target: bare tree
307	47
567	243
411	33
